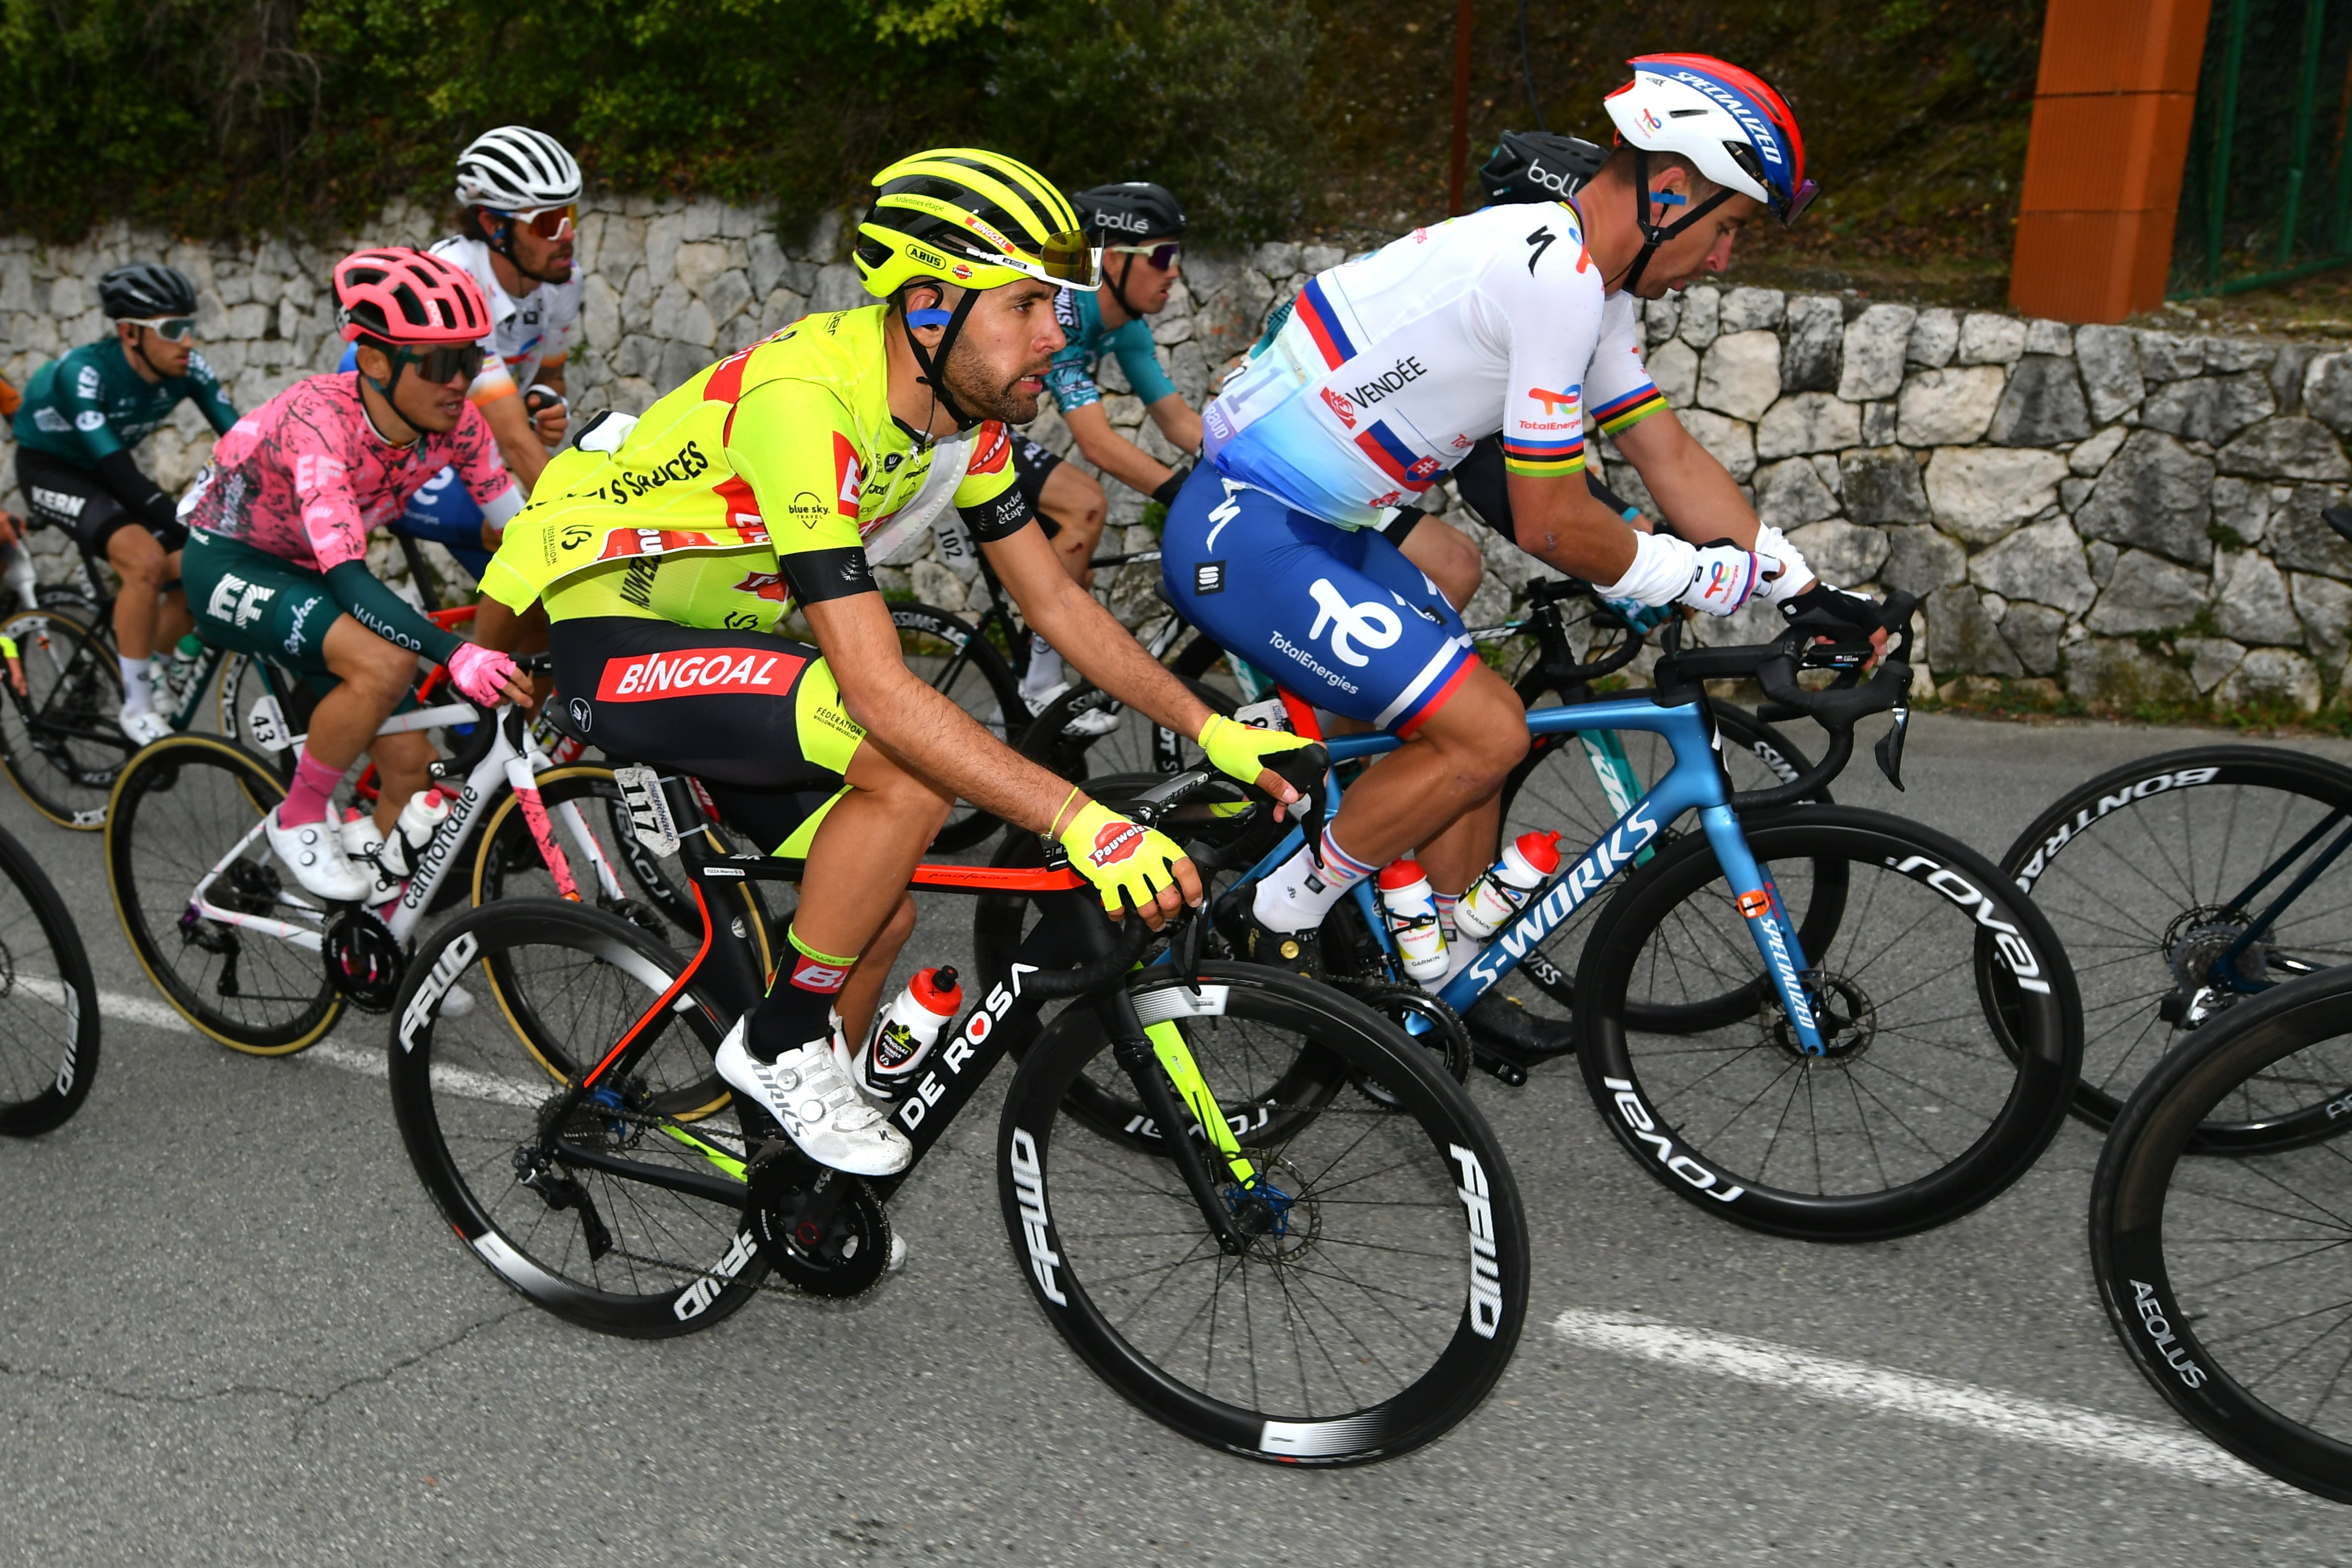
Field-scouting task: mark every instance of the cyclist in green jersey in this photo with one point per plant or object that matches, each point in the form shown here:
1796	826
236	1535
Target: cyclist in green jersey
775	478
79	419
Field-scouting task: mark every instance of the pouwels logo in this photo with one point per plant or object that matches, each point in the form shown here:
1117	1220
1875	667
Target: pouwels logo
766	584
1115	842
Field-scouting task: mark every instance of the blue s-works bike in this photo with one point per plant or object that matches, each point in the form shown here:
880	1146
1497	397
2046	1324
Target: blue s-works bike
1817	1021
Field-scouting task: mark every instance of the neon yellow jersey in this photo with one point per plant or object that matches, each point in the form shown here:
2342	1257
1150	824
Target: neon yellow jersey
776	476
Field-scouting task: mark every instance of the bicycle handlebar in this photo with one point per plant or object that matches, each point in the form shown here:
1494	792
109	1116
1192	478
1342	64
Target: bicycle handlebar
1774	666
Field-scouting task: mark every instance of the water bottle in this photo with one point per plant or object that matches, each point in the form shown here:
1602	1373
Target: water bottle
1495	900
1411	908
902	1038
426	810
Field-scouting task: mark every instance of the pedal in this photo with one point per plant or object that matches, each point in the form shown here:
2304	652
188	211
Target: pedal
1511	1073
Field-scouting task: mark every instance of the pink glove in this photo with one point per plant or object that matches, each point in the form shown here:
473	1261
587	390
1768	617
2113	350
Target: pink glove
480	673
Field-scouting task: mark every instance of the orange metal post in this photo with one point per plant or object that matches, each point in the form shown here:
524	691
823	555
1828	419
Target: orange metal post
2111	113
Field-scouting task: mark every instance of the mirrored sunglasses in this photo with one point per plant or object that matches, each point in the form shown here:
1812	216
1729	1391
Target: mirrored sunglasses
172	329
1161	256
1797	203
445	364
547	223
1067	258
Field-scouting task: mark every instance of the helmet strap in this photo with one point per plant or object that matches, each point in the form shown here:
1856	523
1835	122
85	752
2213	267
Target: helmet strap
930	365
1118	288
1656	235
140	349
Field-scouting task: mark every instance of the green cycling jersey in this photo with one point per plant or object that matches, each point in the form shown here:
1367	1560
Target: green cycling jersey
90	405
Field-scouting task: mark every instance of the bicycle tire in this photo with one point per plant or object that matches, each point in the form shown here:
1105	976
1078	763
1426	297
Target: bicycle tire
470	1085
2137	893
995	704
1132	746
74	683
2244	1335
156	854
48	1010
507	863
1074	1236
1555	787
1964	1114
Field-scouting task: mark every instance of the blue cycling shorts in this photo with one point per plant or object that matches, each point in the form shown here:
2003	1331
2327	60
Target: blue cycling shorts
442	512
1337	615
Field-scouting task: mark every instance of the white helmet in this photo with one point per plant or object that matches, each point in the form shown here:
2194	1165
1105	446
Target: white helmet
1728	123
516	169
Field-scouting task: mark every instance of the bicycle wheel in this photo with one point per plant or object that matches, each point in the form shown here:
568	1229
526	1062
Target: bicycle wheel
1132	746
2225	1278
1920	1110
949	652
2148	873
49	1003
1385	1278
1559	787
189	807
633	1224
582	798
60	743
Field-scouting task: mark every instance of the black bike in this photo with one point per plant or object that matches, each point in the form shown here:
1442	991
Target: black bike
48	1002
1304	1275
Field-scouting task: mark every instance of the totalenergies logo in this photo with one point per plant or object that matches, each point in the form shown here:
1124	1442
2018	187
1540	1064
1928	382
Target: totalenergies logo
1651	122
1556	402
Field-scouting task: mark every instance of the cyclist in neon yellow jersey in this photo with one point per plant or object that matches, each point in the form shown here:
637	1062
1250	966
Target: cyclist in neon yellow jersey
773	478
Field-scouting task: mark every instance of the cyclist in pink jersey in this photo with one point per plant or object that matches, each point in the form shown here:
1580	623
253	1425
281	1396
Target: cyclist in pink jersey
276	564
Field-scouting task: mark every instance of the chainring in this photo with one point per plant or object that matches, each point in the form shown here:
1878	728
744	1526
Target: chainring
364	961
844	1255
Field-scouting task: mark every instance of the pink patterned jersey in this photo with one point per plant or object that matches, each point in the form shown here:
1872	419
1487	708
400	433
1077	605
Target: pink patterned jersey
305	476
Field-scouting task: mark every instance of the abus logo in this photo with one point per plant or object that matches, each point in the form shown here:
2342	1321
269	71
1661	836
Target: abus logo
1339	406
715	671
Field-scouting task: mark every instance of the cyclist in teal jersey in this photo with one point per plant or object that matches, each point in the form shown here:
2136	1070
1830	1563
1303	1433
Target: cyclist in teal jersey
1140	228
75	429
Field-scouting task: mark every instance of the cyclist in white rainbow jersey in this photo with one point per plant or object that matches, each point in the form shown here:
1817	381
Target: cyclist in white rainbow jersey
1522	320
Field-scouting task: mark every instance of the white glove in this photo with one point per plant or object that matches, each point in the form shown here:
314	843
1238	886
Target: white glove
1723	578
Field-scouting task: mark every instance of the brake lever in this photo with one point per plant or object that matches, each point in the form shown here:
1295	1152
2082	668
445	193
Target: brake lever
1889	750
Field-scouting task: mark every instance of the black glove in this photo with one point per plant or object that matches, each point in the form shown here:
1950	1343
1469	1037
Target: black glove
1864	616
1166	494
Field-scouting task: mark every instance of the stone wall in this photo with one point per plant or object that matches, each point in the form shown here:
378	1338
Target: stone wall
2116	515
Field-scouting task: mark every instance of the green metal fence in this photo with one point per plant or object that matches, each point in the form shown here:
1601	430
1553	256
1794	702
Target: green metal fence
2267	193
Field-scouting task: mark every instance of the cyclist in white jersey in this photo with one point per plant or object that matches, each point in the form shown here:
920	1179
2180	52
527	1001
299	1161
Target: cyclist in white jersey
1520	321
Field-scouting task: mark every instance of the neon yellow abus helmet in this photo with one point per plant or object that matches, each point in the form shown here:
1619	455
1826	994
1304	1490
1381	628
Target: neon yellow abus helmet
973	218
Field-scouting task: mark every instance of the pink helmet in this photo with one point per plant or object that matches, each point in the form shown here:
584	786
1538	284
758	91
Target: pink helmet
400	295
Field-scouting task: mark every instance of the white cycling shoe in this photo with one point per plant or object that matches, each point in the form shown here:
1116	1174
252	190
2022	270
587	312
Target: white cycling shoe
313	851
1093	722
145	727
813	1100
362	842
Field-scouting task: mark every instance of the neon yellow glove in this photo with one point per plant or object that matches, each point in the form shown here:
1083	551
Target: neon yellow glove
1242	752
1121	857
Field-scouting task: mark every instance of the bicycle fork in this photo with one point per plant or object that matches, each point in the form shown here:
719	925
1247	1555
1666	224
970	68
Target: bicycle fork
1758	898
1158	1062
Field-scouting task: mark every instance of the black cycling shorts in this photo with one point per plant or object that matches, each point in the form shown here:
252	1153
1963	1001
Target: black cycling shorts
1479	479
78	500
757	718
1031	465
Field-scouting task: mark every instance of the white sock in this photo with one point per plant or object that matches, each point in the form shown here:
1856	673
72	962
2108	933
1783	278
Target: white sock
1296	895
138	692
1045	668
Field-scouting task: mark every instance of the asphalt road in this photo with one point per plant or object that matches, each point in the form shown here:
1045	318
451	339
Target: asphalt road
233	1329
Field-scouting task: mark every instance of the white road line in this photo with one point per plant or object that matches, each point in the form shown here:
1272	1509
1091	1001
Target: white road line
462	1081
2085	1433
